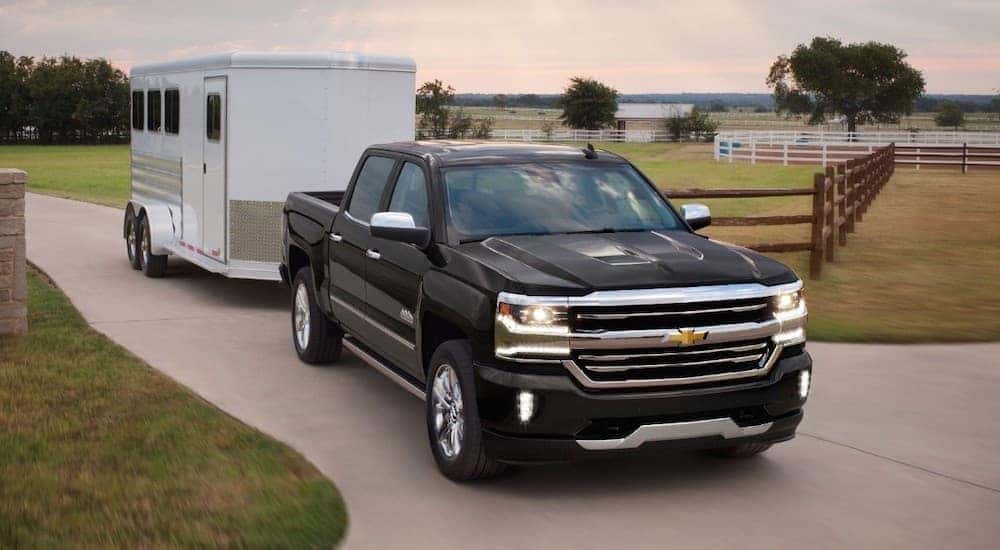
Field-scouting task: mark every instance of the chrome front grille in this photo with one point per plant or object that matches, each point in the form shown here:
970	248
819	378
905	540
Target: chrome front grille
670	316
674	363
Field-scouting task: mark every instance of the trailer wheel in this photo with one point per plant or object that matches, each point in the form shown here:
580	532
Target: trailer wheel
132	239
317	340
153	265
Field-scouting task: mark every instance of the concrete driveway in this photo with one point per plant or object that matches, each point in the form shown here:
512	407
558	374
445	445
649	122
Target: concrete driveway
900	446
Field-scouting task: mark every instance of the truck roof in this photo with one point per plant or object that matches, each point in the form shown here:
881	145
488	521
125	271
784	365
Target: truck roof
279	60
485	152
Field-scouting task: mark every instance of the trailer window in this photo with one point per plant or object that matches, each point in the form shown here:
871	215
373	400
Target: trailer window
153	111
369	188
171	111
213	117
138	109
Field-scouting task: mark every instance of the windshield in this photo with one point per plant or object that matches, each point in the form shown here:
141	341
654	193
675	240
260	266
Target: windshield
542	199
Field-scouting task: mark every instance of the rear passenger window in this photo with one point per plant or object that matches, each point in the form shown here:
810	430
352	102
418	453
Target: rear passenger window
138	109
410	194
171	111
213	117
369	188
153	111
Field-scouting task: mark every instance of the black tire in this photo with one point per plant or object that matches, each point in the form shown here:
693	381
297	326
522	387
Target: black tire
153	265
131	235
470	461
743	450
322	339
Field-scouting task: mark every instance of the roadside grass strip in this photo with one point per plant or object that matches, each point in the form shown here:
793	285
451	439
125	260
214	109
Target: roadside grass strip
98	449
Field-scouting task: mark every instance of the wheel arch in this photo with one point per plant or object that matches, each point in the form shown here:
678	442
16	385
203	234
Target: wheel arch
162	228
441	320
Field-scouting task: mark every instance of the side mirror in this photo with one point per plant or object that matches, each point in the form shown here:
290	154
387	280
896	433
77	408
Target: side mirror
399	226
697	215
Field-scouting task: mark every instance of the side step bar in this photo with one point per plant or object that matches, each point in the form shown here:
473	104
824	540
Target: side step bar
724	427
388	370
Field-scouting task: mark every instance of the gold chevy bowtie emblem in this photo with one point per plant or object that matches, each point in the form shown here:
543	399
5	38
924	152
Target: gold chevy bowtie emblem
686	337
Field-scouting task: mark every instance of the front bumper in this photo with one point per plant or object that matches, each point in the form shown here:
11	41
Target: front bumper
569	422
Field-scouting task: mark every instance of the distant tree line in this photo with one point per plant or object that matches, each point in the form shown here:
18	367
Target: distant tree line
62	100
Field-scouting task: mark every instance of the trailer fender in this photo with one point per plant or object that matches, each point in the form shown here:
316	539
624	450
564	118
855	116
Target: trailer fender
162	229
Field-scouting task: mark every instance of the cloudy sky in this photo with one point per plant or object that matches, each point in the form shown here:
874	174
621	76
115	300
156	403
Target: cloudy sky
530	45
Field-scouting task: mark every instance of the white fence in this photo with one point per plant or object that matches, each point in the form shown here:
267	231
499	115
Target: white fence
561	134
834	147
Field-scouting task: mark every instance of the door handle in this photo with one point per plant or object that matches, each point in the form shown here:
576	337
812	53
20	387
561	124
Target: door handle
373	254
336	237
204	168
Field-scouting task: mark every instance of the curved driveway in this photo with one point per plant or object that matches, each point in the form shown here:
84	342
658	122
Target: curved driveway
900	446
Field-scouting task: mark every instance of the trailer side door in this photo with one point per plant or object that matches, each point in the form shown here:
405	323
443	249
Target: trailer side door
213	222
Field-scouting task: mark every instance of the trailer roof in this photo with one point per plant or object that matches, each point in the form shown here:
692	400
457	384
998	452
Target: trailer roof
279	60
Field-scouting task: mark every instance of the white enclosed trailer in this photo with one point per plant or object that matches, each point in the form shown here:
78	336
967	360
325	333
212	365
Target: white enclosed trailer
219	141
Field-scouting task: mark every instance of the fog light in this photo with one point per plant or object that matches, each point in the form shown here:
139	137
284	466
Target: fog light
525	406
804	376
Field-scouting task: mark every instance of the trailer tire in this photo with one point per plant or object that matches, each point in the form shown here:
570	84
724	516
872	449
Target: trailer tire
317	340
131	238
451	405
153	265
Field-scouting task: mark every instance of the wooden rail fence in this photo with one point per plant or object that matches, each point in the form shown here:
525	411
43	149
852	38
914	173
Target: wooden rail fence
840	195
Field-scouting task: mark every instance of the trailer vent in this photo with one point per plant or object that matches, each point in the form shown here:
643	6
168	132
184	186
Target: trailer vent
255	230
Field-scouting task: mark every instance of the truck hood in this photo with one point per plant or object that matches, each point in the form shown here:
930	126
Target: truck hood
608	261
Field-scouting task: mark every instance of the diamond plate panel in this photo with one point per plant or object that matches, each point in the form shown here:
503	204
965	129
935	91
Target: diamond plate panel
255	230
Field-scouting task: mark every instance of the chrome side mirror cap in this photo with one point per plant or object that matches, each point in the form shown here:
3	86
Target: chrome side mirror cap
697	215
399	226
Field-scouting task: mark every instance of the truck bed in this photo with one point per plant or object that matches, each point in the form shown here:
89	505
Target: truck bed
319	206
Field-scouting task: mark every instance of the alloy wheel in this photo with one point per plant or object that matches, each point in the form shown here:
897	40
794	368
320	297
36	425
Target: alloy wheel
448	411
301	317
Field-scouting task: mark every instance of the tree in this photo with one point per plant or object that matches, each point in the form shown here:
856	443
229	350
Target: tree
501	101
864	82
695	122
995	106
588	104
14	92
433	99
949	114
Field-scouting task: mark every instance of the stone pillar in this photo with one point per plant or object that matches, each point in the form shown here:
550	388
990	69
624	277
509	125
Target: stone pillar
13	291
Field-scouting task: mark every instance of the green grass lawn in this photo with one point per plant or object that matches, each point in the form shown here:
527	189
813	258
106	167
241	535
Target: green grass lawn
932	239
97	449
93	173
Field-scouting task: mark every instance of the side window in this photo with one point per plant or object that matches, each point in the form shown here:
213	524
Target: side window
171	111
368	190
410	194
213	117
153	111
138	109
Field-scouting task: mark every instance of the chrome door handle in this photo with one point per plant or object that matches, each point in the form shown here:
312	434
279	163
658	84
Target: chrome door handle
336	237
373	254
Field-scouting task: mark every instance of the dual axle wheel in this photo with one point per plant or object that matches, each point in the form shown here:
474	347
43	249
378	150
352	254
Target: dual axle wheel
138	246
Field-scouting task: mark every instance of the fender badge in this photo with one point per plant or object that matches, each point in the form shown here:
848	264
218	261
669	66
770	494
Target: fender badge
685	337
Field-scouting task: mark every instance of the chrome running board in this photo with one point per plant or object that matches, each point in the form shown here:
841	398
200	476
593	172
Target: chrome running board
385	369
724	427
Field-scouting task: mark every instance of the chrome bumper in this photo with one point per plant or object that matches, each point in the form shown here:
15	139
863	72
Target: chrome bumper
723	427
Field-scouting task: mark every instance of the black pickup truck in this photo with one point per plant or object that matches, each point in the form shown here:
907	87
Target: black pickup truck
547	303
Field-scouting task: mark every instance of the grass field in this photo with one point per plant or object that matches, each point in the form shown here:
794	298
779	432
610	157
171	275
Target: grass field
922	267
100	450
93	173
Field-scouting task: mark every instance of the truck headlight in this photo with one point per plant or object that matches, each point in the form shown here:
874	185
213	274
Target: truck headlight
787	302
527	328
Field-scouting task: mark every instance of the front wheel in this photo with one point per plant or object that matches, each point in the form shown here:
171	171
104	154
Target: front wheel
453	425
317	340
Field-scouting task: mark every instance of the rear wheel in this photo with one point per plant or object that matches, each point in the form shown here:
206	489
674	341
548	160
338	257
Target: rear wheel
153	265
132	239
453	425
317	340
743	450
